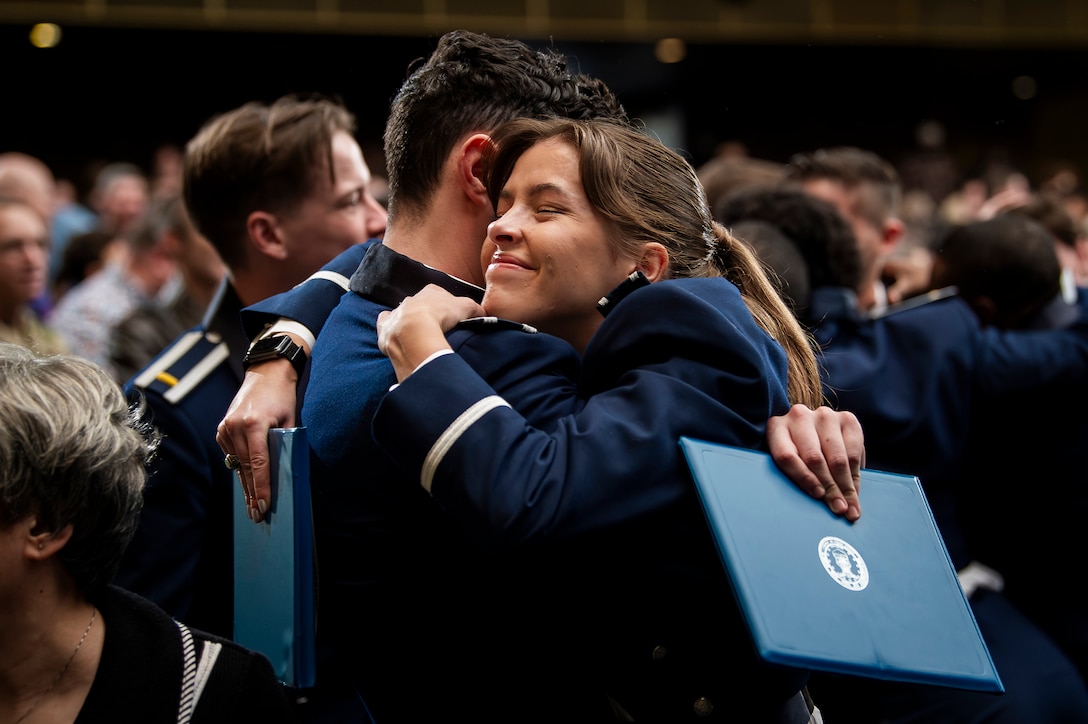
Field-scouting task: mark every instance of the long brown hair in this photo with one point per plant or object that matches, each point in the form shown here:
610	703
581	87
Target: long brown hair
652	194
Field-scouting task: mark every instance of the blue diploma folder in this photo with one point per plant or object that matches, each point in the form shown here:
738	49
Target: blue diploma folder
274	565
877	598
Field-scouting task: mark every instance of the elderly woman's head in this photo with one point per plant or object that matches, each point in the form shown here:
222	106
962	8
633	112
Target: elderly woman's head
72	453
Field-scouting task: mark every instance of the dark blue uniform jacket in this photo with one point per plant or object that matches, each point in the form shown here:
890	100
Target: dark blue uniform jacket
181	556
597	564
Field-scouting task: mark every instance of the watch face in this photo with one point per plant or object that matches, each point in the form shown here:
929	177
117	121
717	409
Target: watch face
274	347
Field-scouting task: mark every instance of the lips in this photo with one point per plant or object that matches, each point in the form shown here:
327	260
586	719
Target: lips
504	259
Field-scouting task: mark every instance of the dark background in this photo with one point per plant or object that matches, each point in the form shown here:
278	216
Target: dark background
108	94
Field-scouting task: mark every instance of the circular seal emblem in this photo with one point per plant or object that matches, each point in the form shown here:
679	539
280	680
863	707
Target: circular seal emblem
843	563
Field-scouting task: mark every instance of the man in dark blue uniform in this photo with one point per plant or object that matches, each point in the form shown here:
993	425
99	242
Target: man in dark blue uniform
1007	270
916	375
278	190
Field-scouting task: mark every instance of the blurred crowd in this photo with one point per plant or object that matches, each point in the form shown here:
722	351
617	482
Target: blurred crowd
868	253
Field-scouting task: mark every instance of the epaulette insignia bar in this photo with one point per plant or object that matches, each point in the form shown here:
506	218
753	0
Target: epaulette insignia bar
494	323
183	365
917	301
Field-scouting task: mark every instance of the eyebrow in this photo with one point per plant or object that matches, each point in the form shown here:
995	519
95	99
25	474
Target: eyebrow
538	189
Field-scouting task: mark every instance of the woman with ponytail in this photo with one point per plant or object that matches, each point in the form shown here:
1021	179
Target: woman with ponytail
603	240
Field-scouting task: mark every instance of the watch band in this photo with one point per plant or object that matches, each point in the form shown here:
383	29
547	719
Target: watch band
276	347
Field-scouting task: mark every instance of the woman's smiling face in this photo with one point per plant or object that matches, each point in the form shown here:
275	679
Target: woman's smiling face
551	258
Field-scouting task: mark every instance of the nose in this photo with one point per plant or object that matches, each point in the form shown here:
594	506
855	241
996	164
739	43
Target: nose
504	231
35	254
376	217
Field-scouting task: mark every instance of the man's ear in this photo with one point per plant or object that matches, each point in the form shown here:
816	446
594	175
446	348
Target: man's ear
893	231
470	168
654	262
986	309
264	233
41	543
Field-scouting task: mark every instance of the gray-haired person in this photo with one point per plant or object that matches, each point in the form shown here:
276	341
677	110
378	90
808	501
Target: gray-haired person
76	648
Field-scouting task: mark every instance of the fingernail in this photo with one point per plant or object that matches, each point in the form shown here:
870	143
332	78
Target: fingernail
249	512
262	506
840	505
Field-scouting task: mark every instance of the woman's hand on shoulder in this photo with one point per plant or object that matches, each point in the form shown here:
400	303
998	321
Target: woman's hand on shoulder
416	329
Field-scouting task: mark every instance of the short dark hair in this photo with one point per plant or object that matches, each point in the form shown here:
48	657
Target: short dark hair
1010	259
1049	210
473	82
875	180
257	157
163	214
824	238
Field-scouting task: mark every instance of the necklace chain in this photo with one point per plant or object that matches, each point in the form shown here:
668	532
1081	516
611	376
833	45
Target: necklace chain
61	673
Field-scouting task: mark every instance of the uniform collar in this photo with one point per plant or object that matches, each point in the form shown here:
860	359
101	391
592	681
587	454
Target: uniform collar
223	318
386	277
838	303
1057	314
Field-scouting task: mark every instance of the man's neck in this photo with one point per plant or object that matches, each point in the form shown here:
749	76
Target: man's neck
447	237
200	290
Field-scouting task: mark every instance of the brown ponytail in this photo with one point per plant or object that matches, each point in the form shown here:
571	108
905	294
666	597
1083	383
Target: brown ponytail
738	263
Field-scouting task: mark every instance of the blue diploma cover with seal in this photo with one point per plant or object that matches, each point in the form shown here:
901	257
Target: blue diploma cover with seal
877	598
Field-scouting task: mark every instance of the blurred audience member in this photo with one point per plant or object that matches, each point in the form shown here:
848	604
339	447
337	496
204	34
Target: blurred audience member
72	456
149	328
728	173
917	377
1006	269
24	255
1070	242
144	270
85	255
929	168
865	189
30	180
166	172
27	178
779	254
119	197
825	256
70	218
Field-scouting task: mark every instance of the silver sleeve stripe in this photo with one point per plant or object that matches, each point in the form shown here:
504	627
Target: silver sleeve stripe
197	374
453	433
330	276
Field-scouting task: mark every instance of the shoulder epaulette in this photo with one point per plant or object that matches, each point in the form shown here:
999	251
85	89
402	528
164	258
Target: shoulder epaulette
918	301
486	324
183	365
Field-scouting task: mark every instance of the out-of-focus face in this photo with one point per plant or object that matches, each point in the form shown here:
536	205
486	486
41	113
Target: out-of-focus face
123	203
872	243
335	215
24	255
551	260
